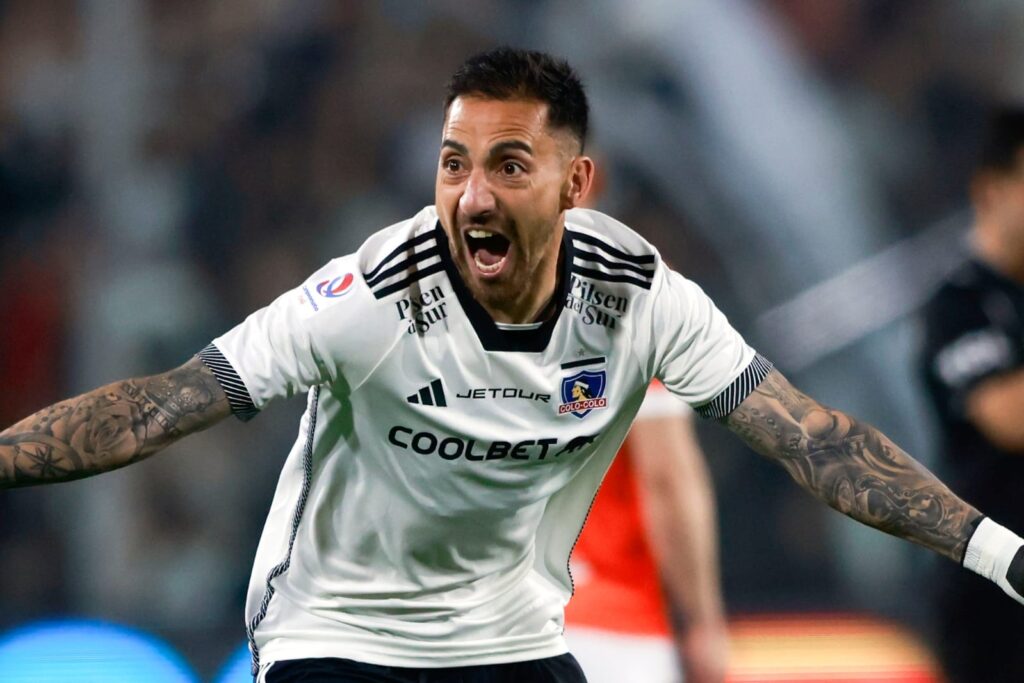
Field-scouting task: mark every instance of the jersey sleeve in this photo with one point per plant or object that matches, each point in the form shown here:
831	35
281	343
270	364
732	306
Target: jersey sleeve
291	345
965	346
699	356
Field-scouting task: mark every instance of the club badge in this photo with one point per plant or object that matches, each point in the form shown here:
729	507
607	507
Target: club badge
583	392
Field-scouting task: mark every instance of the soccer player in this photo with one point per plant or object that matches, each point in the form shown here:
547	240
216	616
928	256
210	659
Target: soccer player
973	362
651	525
470	373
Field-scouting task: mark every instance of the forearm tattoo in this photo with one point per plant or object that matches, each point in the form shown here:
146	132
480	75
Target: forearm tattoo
110	427
853	467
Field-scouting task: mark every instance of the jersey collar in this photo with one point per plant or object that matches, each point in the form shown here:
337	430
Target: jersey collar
491	336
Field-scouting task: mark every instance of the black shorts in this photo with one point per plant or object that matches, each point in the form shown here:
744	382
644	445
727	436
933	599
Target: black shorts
561	669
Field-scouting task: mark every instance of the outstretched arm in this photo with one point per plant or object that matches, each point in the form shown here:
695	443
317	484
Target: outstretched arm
860	472
110	427
853	467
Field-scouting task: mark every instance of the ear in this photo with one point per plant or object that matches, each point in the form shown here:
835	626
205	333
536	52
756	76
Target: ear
578	183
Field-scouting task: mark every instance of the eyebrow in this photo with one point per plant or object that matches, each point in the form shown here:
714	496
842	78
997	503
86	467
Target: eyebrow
511	144
497	149
457	146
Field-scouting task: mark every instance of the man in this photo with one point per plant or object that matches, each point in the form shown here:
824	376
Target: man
423	521
973	363
651	525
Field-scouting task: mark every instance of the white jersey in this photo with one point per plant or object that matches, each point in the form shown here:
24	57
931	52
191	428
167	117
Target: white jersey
445	464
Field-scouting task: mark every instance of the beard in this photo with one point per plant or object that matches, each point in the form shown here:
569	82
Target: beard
526	252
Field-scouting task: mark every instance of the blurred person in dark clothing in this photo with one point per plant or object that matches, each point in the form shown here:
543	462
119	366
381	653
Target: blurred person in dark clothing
973	362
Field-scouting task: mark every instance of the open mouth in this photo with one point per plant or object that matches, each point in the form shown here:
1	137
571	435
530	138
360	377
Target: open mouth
489	250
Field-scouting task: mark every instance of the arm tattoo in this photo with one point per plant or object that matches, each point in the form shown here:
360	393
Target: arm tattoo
110	427
853	467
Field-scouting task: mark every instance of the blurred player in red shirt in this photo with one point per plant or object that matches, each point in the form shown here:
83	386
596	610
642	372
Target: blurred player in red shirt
649	548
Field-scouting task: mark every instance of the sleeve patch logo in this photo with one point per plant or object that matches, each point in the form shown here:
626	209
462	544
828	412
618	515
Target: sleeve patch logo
583	392
336	288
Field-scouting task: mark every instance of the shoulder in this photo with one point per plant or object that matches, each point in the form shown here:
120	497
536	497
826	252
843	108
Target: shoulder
965	285
347	308
387	261
609	252
612	265
397	256
966	299
972	328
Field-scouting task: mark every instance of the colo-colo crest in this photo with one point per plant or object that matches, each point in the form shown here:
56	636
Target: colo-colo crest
583	392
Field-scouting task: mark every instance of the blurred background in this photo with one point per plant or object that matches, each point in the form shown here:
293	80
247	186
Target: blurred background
167	166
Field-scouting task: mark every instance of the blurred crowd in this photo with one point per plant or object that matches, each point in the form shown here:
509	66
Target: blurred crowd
167	166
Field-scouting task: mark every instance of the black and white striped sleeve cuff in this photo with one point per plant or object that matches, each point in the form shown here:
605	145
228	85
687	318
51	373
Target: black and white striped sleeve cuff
733	395
238	395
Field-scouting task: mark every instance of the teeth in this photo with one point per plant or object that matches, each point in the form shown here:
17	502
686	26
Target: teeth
480	234
493	268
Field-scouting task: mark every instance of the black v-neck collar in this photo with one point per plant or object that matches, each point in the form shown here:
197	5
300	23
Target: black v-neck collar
492	337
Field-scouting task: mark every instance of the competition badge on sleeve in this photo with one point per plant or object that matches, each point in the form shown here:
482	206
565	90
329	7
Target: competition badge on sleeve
328	292
335	288
583	392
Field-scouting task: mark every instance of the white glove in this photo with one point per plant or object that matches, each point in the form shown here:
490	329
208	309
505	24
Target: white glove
997	553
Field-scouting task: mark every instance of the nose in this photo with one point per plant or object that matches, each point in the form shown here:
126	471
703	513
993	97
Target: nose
477	201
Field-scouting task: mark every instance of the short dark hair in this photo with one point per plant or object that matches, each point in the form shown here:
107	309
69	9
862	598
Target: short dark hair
1003	139
507	73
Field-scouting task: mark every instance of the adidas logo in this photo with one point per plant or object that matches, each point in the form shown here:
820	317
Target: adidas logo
432	395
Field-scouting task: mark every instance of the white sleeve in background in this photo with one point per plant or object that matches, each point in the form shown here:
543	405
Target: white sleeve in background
658	403
700	357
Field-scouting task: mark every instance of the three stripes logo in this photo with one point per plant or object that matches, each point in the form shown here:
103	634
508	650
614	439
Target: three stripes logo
597	260
410	261
430	395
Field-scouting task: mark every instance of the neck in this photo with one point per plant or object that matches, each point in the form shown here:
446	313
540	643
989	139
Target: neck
990	247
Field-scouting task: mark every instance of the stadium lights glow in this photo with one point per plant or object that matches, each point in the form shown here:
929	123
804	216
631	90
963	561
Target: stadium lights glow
85	651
